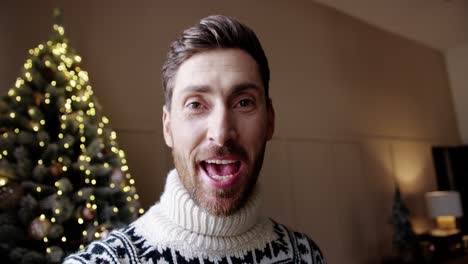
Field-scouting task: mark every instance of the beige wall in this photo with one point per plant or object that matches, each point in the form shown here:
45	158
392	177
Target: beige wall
457	63
357	108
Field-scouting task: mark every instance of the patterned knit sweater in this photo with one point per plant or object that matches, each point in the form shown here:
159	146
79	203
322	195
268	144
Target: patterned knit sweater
176	230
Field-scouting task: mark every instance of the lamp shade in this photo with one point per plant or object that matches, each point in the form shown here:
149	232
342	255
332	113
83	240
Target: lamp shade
444	203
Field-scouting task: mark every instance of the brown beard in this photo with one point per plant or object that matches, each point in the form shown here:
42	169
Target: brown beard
227	201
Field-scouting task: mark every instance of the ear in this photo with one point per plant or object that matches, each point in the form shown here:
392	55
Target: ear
166	119
271	120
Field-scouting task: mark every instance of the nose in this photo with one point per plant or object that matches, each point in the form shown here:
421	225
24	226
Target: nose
221	127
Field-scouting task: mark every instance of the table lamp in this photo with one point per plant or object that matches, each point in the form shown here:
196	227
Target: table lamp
445	207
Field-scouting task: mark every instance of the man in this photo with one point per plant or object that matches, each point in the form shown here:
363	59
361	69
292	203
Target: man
217	119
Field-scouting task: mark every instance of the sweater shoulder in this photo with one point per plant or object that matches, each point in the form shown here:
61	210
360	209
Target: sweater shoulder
117	248
306	249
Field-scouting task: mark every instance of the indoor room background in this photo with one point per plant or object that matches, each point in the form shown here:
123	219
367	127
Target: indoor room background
358	108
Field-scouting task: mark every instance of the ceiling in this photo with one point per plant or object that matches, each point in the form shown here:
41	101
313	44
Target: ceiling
440	24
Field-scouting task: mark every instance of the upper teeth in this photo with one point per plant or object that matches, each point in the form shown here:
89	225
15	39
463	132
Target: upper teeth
220	161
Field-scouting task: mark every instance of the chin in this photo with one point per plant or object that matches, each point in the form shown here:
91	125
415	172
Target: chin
220	206
224	202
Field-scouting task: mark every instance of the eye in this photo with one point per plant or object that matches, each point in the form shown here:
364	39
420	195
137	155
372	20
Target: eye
246	103
194	105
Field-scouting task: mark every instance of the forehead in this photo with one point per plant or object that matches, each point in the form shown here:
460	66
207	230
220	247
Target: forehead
219	69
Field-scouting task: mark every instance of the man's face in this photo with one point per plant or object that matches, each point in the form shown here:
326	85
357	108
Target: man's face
217	127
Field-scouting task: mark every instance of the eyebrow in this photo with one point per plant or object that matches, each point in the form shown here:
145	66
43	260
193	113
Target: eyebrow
197	89
239	88
236	89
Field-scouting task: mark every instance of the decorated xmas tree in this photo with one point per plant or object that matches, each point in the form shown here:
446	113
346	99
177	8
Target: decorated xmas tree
63	179
405	240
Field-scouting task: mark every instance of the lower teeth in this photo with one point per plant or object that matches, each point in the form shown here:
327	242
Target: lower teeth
224	177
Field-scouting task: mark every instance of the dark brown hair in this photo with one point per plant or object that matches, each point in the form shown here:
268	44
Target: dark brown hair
213	32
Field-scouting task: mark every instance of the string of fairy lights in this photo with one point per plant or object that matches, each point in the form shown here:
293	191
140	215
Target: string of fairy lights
76	84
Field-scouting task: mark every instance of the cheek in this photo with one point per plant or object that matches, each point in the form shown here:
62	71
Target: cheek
186	136
252	134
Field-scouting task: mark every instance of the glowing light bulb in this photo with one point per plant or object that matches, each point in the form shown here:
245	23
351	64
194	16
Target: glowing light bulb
3	181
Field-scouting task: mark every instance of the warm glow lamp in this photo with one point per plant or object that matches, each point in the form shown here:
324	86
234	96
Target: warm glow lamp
445	207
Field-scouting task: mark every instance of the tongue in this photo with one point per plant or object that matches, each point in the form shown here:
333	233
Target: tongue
221	169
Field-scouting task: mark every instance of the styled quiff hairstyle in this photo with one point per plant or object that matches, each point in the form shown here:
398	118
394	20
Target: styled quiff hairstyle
213	32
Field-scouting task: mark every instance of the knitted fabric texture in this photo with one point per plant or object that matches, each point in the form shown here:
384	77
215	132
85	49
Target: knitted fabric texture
177	230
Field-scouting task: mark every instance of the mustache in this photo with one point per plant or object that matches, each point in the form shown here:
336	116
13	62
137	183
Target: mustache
222	151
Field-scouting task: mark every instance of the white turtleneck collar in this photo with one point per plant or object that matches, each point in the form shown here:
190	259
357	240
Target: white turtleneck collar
176	221
183	211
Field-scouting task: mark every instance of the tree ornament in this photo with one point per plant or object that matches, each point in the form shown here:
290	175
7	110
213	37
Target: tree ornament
38	98
10	193
88	213
55	254
64	185
117	176
55	169
39	227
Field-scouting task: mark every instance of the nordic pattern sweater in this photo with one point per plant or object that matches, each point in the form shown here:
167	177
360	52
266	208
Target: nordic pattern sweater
176	230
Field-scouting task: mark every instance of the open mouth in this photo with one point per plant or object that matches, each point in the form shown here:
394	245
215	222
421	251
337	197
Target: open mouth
221	169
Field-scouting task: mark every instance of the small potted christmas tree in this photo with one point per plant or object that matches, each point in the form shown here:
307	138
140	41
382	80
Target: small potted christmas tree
405	241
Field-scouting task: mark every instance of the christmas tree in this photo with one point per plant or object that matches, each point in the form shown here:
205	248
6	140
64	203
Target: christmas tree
404	239
63	179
